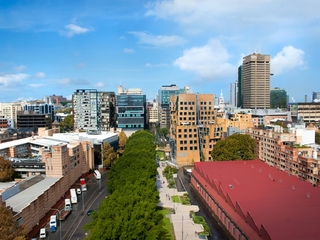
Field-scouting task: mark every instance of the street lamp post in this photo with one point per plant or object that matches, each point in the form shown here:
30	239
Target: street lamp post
59	219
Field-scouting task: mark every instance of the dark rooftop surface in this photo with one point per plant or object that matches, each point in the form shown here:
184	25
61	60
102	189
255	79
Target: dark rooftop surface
287	207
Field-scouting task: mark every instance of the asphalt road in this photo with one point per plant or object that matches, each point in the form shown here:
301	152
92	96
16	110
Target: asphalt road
216	231
72	226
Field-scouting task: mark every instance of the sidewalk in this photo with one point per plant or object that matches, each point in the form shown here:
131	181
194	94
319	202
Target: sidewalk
183	226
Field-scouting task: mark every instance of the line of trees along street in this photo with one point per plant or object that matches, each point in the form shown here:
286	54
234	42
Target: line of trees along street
131	211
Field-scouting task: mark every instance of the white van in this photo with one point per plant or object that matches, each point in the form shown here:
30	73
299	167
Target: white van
97	174
53	221
43	233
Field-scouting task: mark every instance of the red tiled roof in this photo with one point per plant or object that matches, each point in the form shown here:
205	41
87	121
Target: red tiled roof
287	207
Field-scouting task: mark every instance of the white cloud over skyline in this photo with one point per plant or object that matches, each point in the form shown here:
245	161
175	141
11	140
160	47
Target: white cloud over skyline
128	50
288	58
99	84
209	61
11	80
158	40
40	75
73	29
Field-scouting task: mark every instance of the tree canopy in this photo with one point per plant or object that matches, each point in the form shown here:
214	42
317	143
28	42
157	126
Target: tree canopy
108	155
317	138
131	212
6	170
234	147
122	141
9	229
66	124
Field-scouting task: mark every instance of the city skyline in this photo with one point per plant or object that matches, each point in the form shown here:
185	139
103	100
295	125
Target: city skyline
56	47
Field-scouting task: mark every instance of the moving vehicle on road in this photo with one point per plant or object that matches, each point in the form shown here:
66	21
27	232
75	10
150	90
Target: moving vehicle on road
78	191
67	210
53	223
89	212
97	174
83	184
43	233
74	198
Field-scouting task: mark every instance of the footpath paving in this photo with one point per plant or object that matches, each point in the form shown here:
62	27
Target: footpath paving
183	226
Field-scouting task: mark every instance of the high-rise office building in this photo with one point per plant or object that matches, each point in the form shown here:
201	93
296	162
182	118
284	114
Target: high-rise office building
94	111
315	96
87	112
165	92
193	130
131	109
233	94
278	98
256	81
239	87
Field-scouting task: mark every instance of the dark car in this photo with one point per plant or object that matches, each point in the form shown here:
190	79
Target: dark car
89	212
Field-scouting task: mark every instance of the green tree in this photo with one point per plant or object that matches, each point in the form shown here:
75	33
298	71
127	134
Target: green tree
131	211
317	138
164	131
108	155
6	170
234	147
66	124
122	141
9	229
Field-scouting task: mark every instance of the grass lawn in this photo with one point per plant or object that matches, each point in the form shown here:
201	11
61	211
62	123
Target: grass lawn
167	225
175	199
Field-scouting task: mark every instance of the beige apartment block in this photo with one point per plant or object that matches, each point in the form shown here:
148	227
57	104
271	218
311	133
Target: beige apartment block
256	81
283	149
242	121
193	127
309	111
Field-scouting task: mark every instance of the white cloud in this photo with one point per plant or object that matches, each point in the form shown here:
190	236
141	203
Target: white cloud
12	80
99	84
235	15
73	29
35	85
208	61
81	65
69	81
128	50
288	58
20	68
40	75
156	65
159	40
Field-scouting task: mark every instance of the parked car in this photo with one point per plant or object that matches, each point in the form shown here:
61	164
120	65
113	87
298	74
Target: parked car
89	212
78	191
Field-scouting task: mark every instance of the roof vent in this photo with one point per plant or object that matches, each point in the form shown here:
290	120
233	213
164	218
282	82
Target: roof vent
252	166
293	187
280	180
230	186
260	170
308	195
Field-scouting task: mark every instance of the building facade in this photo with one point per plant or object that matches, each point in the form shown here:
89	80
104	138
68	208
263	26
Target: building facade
31	120
40	108
131	111
193	129
308	111
256	81
233	94
164	93
10	111
291	150
278	98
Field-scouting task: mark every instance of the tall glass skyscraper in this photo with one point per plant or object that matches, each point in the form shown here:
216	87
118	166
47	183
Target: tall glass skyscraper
278	98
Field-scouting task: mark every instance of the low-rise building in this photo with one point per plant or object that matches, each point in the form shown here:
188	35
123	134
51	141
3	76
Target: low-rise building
252	200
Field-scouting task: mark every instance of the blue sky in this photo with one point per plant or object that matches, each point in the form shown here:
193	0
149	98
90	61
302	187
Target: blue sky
57	46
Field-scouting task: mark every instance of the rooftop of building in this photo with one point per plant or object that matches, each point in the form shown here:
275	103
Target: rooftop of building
60	138
287	207
24	198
